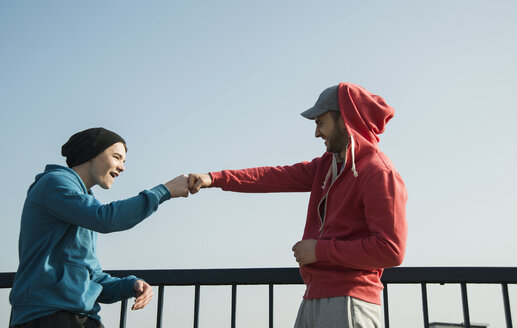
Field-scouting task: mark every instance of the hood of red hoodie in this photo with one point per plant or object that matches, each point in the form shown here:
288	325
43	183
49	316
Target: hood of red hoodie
365	116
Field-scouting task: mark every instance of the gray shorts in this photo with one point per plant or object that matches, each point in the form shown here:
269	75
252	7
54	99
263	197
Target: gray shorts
334	312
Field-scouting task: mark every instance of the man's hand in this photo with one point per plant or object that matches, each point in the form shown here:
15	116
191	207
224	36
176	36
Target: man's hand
305	251
178	187
144	293
197	181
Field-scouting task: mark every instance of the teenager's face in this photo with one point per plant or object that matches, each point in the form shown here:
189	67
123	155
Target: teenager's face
106	166
332	131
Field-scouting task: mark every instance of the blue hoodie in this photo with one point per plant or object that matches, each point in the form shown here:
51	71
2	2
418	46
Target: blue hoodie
59	269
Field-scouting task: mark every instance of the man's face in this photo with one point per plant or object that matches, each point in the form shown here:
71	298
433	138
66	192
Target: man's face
108	165
333	131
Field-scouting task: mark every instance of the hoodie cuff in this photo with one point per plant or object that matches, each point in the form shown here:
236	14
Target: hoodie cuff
162	193
215	176
322	247
131	286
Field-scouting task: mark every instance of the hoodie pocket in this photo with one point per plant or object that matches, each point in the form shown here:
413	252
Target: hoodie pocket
75	291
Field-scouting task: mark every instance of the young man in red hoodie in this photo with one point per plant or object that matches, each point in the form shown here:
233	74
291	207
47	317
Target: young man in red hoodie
356	221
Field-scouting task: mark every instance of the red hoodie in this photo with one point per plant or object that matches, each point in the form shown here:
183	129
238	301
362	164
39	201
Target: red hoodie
359	219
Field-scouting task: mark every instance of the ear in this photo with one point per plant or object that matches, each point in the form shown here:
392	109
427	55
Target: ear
340	123
342	126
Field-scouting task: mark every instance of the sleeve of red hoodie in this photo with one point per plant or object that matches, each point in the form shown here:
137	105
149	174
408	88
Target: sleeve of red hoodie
384	197
291	178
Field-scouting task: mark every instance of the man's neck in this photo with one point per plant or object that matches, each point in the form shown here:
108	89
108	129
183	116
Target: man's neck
340	157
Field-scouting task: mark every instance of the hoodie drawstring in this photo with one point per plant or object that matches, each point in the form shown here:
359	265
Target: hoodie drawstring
353	156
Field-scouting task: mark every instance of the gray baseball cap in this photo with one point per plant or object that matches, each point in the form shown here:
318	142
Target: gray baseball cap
327	101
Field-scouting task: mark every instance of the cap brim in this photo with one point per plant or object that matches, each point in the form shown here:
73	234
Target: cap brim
313	112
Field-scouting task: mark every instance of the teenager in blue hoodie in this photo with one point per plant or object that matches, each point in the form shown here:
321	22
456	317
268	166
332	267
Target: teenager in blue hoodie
59	282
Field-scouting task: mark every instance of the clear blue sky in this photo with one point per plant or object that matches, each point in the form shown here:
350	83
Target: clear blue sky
201	86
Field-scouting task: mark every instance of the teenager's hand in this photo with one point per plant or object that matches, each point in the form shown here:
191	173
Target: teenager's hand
197	181
144	293
178	187
305	251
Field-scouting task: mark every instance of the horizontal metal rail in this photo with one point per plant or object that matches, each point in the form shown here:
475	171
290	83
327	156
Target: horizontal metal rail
286	276
289	276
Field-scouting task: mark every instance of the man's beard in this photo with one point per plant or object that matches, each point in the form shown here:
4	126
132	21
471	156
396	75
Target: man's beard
336	142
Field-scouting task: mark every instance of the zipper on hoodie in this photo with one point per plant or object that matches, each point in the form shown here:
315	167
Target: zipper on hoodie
322	219
308	288
325	197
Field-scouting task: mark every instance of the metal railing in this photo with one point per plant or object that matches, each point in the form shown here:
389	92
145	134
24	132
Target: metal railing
289	276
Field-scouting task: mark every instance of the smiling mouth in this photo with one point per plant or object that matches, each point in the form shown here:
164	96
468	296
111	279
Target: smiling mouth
113	175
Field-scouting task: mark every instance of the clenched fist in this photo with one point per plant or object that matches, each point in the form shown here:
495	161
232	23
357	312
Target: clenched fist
305	251
197	181
178	187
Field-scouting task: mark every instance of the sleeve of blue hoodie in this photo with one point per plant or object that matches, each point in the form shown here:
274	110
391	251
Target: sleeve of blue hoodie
114	289
66	201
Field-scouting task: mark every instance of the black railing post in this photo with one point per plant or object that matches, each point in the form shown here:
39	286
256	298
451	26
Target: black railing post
159	315
507	309
234	303
270	305
425	307
123	313
196	305
465	302
386	308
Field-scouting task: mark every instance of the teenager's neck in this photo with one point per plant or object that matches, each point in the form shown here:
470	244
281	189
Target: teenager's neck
82	171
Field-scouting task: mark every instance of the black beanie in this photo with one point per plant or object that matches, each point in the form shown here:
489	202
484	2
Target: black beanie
87	144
